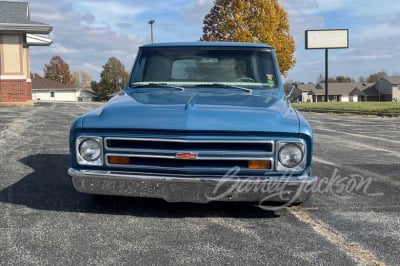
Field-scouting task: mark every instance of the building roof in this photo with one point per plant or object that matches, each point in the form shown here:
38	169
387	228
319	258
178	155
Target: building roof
342	88
352	88
395	80
40	83
15	16
36	40
306	87
371	91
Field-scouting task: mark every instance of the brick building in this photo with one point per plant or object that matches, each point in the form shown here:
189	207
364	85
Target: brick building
17	33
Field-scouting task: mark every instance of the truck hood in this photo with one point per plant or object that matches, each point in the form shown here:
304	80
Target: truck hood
195	111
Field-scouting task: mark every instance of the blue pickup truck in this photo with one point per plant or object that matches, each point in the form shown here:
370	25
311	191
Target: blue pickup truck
197	122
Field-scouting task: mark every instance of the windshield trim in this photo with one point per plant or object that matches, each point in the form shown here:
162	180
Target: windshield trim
180	84
156	85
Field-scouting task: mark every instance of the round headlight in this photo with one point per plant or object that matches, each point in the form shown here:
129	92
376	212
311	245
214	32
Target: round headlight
90	150
290	155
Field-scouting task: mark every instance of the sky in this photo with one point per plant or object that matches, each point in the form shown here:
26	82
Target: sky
86	33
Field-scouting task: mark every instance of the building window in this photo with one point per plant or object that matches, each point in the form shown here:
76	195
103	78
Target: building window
52	94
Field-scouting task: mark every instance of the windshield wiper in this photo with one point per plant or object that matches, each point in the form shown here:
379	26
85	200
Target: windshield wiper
158	85
223	85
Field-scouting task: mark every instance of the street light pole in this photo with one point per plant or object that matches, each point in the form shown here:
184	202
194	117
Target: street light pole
151	22
326	76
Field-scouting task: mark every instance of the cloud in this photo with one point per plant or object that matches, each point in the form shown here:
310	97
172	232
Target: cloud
372	36
109	13
124	25
85	37
196	11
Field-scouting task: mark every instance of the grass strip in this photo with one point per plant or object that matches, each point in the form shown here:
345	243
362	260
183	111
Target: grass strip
378	108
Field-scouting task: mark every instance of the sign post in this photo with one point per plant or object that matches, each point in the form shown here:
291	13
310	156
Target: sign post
327	39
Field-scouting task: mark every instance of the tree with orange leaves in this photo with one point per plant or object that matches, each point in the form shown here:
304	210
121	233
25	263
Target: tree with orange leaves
263	21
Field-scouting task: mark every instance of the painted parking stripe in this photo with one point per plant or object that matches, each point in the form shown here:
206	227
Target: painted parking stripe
359	135
353	249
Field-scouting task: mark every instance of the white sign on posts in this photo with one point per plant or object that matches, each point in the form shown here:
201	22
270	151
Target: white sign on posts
327	39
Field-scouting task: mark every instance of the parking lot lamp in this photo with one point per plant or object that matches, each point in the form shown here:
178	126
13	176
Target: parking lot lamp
151	22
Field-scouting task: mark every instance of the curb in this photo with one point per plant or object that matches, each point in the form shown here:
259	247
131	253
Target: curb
17	104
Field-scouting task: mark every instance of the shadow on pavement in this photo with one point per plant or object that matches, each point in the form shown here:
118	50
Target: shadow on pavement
49	187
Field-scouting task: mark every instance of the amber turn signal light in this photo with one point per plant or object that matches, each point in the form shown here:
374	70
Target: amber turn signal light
259	164
118	160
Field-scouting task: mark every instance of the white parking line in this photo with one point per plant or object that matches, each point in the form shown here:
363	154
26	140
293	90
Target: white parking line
352	168
320	160
358	135
353	249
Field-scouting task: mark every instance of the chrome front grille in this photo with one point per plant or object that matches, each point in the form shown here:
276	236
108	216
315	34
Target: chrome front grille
203	154
175	145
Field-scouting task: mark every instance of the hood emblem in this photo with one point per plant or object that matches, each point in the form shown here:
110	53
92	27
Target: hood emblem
186	155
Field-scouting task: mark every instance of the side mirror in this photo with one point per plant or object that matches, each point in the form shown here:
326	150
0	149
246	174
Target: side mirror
120	85
293	87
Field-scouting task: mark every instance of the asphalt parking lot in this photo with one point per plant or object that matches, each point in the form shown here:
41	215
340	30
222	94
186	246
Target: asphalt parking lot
353	217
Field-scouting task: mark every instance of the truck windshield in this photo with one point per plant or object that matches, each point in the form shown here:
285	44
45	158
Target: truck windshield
191	67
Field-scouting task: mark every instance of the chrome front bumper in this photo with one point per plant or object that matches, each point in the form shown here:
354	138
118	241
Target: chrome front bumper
189	189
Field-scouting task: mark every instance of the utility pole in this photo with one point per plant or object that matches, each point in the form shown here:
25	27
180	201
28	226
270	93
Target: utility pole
326	75
151	22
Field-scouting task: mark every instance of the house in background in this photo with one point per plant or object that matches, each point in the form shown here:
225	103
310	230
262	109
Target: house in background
341	92
50	90
303	92
17	33
388	88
